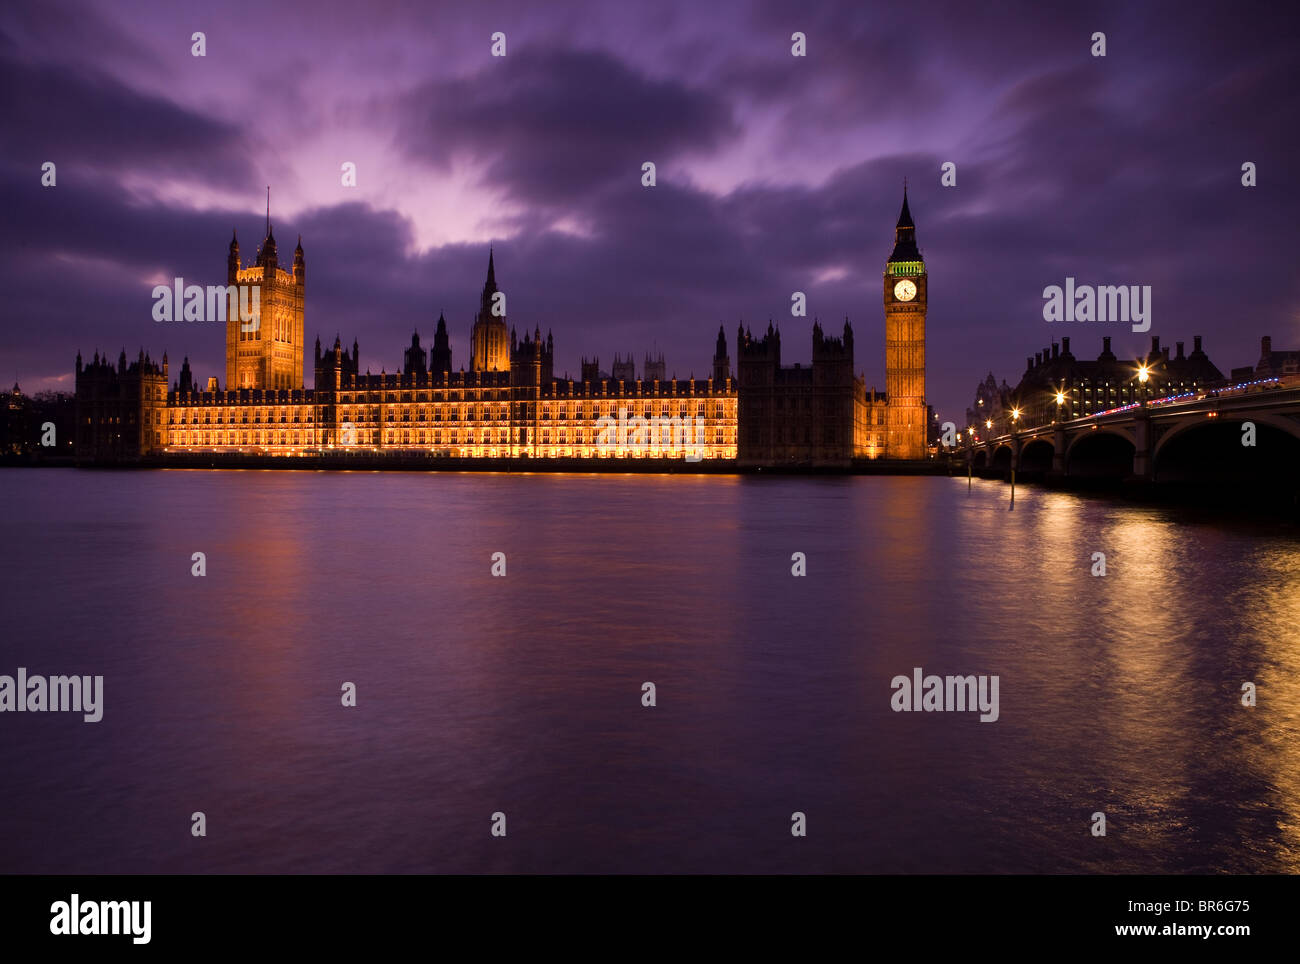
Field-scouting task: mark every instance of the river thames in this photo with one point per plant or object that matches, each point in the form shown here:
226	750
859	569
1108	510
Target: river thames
522	695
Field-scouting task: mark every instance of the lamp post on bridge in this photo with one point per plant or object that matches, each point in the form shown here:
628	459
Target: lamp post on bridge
970	457
1015	455
1142	429
1058	437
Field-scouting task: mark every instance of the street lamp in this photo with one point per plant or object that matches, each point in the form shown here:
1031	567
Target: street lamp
1144	375
1015	417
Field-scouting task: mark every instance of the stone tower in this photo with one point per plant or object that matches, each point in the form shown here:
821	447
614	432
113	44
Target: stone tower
655	368
489	341
440	354
623	369
721	363
269	354
905	306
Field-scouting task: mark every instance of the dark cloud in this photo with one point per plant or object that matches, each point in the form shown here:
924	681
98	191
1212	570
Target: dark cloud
552	126
88	123
1122	170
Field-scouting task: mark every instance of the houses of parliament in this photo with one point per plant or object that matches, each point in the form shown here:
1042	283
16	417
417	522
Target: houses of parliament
508	404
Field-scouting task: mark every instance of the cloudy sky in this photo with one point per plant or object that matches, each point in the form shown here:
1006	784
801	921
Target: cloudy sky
775	173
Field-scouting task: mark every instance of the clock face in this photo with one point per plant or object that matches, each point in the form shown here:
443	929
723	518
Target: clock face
905	290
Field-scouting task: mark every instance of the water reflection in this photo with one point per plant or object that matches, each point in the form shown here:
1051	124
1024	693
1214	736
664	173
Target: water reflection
523	694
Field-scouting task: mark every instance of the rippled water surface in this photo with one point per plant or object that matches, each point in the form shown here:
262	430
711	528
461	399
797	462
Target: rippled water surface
522	694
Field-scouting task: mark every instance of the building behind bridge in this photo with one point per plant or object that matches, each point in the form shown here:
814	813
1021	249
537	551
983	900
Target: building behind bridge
1271	364
1057	385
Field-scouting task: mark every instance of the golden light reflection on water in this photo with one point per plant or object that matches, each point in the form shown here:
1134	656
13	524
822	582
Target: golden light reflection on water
1119	692
1156	651
1270	614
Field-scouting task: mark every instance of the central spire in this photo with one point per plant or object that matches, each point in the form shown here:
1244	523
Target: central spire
489	287
489	349
905	216
905	248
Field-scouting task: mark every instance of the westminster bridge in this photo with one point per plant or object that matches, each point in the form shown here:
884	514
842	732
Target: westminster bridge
1247	433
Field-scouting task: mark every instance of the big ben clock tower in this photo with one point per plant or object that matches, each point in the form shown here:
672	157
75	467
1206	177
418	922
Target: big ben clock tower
905	299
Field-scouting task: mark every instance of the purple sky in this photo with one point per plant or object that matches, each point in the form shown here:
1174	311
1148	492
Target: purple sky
775	173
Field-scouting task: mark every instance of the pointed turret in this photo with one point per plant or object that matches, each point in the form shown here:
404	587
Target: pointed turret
488	349
721	363
905	215
232	260
414	359
489	288
440	355
905	248
268	254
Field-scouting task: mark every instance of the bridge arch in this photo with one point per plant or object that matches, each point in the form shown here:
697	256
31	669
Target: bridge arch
1208	453
1036	454
1101	453
981	459
1079	436
1285	425
1003	456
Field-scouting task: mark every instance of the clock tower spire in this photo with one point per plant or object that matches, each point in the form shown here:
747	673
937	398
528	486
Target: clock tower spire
905	283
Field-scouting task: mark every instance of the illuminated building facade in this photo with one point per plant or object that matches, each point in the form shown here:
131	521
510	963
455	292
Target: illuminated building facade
509	404
906	284
823	416
266	353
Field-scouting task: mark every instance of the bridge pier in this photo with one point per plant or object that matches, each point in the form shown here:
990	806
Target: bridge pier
1142	461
